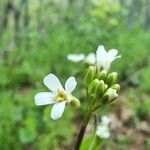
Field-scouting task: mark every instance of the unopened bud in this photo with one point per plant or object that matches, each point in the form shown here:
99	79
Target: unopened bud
90	75
75	103
106	86
101	88
110	95
111	78
102	75
93	87
116	87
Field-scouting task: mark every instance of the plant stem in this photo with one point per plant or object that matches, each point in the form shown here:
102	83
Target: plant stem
81	133
96	121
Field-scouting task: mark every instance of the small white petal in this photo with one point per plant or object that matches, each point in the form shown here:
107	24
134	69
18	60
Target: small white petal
103	131
44	98
70	84
106	120
57	110
111	55
52	82
90	59
76	57
101	56
101	51
106	135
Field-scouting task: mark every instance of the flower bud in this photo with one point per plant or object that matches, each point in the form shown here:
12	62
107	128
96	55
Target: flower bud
116	87
110	95
102	75
93	87
75	103
111	78
101	88
106	86
90	75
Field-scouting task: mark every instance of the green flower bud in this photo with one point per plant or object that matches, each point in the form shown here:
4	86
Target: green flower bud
93	87
111	78
75	103
116	87
90	75
105	99
106	86
102	75
101	88
110	95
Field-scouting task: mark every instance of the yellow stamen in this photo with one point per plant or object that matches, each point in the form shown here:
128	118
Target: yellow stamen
61	96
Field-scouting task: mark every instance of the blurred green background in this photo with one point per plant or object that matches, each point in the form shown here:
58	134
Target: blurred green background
35	38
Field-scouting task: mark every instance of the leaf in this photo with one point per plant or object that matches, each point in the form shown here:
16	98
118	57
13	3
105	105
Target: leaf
95	145
86	142
91	143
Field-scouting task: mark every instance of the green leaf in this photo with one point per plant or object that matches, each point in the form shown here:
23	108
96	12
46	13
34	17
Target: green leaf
95	145
86	142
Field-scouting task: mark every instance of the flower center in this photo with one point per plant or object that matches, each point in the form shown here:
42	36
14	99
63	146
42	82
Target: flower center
61	95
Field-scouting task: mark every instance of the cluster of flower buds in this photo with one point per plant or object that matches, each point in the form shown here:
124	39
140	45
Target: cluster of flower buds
101	87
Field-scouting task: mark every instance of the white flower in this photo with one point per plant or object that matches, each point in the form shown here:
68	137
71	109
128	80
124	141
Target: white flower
104	58
103	132
76	57
90	59
58	95
103	128
106	120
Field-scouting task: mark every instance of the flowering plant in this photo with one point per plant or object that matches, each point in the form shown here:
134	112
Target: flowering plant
101	89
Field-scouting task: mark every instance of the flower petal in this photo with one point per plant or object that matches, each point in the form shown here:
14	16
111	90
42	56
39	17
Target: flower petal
44	98
90	59
52	82
103	131
106	135
76	57
106	120
101	51
101	56
57	110
112	52
70	84
111	55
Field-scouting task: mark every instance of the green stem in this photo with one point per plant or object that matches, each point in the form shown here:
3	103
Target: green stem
96	121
